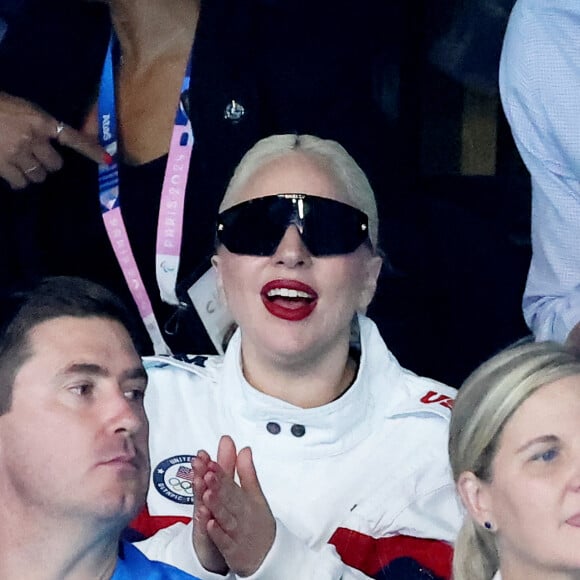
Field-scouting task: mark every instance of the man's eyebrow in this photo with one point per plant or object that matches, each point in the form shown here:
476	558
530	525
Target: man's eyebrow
536	440
137	372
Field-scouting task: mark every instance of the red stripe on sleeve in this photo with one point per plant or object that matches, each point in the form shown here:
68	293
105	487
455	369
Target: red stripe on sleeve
365	553
371	555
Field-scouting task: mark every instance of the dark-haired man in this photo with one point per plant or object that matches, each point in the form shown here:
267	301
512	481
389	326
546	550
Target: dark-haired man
74	463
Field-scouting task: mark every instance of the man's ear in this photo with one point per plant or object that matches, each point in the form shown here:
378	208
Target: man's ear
476	497
369	286
216	263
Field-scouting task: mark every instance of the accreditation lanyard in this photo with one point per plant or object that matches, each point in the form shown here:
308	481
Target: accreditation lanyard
170	220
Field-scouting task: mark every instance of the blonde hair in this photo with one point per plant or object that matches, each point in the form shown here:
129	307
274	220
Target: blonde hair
332	157
485	403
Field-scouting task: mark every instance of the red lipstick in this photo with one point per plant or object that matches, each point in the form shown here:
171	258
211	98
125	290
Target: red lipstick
289	299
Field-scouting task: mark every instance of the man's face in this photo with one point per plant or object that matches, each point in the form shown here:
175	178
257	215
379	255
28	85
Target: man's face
74	443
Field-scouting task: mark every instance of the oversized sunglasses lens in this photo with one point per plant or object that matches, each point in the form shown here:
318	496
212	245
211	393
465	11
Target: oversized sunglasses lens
328	227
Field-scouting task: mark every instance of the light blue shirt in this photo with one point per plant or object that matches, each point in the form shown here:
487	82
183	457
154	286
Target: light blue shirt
540	92
133	565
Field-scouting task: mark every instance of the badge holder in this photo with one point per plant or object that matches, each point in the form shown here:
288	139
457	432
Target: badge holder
200	291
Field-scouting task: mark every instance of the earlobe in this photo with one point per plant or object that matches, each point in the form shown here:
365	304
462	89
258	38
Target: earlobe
475	496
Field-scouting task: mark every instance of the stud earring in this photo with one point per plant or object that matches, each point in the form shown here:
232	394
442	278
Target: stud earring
487	525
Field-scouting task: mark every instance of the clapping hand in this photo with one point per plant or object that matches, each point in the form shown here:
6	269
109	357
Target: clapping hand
234	526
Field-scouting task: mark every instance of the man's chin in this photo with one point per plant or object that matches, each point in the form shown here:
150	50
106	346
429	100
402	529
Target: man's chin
118	507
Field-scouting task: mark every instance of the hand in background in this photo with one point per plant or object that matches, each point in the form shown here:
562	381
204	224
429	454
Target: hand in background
27	139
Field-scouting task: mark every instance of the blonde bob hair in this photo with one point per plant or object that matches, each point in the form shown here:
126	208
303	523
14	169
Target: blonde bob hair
331	156
485	403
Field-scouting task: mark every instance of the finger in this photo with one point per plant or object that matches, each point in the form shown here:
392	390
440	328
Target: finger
226	455
199	488
36	174
225	512
247	473
13	176
47	156
207	552
26	162
201	518
243	560
34	171
203	455
83	144
42	125
215	467
199	463
31	169
220	538
224	499
199	466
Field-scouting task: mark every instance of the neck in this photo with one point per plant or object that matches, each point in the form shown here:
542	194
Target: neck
148	29
301	382
34	546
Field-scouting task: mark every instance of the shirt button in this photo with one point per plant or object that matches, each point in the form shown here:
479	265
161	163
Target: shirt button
273	428
234	111
298	430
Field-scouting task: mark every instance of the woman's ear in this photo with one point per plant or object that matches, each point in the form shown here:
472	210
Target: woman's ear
216	263
476	497
369	284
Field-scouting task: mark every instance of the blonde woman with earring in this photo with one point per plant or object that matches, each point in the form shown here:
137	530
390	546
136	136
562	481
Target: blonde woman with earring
515	453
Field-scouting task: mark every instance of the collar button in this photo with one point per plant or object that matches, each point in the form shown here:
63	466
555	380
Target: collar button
298	430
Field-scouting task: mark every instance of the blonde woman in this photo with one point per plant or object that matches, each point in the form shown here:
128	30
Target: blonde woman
340	452
515	453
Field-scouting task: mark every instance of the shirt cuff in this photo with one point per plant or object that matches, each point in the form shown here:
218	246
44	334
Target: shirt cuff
290	558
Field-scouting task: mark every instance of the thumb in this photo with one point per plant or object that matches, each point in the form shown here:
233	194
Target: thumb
86	145
247	474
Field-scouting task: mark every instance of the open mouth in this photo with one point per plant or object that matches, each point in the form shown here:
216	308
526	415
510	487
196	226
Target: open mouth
289	299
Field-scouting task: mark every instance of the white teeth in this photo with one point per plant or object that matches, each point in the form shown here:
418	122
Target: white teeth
287	293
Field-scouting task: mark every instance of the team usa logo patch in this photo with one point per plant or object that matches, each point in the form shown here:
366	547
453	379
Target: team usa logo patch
173	478
434	398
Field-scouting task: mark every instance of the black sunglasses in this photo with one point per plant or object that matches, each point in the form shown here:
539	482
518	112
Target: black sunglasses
327	227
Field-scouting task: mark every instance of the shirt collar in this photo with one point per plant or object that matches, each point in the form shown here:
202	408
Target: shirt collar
278	426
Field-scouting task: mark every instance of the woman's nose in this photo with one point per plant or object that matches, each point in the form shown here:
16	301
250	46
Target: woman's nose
291	251
574	483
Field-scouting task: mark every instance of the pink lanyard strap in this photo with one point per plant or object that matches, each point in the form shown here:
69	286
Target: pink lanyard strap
170	221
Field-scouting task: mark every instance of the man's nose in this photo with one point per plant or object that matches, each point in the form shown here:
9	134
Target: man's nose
124	413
